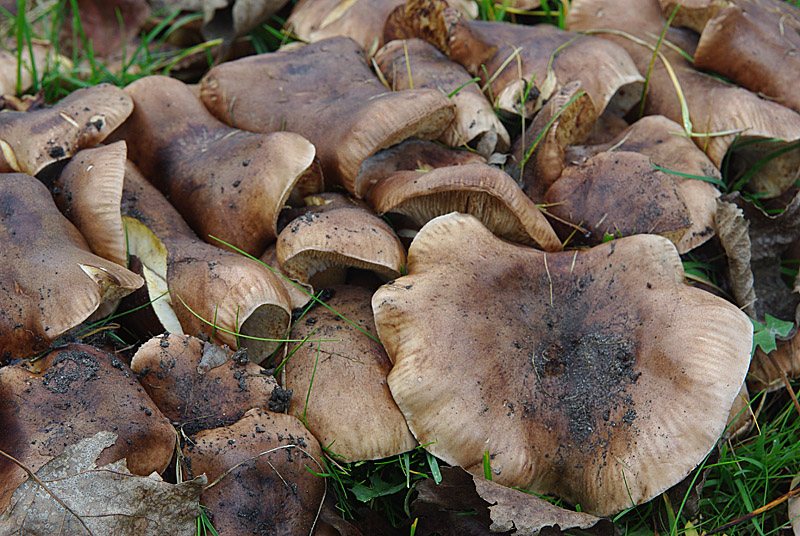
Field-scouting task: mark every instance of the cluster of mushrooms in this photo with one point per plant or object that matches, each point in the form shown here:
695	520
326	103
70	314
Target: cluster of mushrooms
473	303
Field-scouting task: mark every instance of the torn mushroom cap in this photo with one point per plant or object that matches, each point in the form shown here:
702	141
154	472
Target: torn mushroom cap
225	182
414	63
584	374
318	247
720	113
770	69
365	424
88	192
267	465
70	394
485	192
654	136
566	119
348	116
199	385
619	194
522	66
49	280
412	155
231	297
29	141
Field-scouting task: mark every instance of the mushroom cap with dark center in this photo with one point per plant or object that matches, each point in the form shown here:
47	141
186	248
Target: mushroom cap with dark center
599	376
327	92
30	141
49	280
70	394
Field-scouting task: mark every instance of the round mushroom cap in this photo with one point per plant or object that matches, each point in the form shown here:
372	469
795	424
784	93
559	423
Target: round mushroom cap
30	141
263	463
71	394
339	386
599	376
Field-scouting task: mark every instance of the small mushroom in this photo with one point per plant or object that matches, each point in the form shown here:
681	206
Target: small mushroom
225	182
49	280
30	141
411	63
348	115
339	386
71	394
599	376
487	193
260	476
319	246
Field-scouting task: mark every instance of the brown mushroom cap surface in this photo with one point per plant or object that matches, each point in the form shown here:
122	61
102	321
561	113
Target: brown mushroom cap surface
49	280
198	385
327	92
485	192
339	385
269	488
225	182
29	141
73	393
427	67
599	376
619	194
318	247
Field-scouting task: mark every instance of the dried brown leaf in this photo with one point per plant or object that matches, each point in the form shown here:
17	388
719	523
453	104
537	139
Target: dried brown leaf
108	499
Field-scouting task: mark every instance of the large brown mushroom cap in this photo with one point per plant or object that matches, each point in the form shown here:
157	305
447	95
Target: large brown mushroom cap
339	386
327	92
49	280
270	487
598	376
73	393
485	192
29	141
225	182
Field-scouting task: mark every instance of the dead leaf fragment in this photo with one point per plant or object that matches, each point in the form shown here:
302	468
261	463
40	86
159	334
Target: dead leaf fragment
108	499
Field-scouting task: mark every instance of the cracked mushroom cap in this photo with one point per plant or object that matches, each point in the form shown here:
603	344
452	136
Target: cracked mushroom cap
319	246
263	463
475	121
619	194
71	394
220	287
225	182
483	191
49	280
653	136
198	385
348	115
599	376
30	141
363	424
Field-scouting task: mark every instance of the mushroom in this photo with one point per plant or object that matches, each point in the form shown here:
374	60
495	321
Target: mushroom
339	386
716	113
225	182
618	194
30	141
487	193
261	475
521	66
411	63
198	385
319	246
599	376
71	394
349	115
49	280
